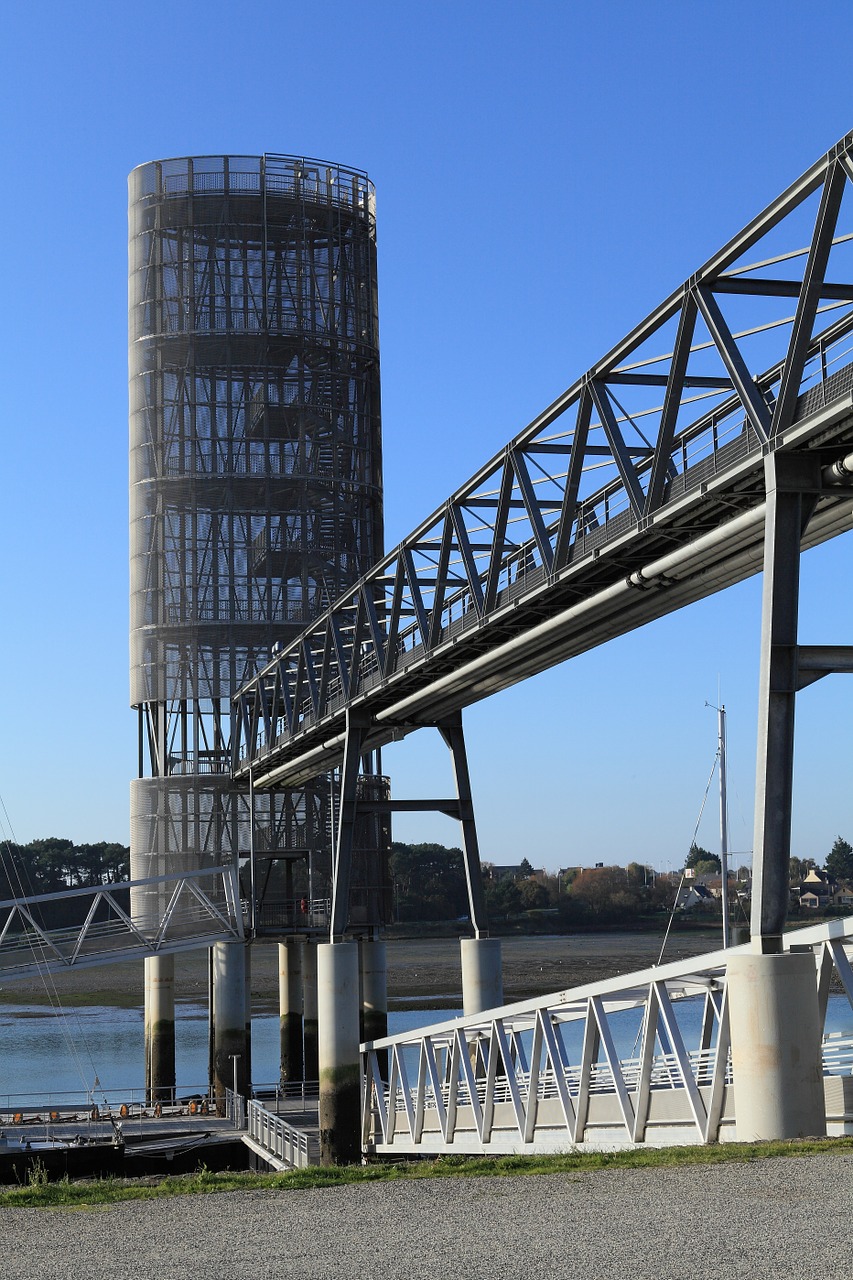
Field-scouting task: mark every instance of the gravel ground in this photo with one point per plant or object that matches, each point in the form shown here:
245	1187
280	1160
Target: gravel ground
783	1219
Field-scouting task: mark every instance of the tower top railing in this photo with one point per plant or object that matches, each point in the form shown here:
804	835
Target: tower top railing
296	177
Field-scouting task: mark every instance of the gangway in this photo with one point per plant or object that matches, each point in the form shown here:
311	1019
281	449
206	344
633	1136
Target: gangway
548	1073
193	909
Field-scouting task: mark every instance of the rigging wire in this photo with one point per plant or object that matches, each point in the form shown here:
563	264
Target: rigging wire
692	842
681	881
13	873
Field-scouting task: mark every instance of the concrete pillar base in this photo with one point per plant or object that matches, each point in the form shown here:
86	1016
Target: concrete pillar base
290	1010
309	1010
374	995
776	1046
340	1074
159	1028
374	989
229	1019
482	975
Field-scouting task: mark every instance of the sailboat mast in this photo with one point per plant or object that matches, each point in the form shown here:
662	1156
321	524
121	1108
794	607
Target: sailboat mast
724	824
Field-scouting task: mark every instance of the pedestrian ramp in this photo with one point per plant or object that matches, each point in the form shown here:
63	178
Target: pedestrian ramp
130	920
280	1126
644	1058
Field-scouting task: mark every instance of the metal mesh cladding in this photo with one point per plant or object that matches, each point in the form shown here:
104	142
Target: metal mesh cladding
255	461
254	410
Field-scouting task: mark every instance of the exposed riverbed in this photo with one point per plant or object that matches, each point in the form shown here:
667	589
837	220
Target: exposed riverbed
420	970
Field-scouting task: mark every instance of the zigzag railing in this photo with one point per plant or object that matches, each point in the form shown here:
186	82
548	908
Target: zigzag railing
625	462
640	1058
181	912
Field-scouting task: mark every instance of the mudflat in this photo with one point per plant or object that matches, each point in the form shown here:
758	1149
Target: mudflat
421	971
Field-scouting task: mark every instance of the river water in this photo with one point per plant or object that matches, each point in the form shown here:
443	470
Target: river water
100	1049
45	1054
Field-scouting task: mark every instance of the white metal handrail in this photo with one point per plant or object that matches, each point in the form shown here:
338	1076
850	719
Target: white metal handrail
547	1071
273	1134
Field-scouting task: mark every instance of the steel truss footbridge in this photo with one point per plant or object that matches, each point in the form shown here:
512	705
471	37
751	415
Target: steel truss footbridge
714	440
668	471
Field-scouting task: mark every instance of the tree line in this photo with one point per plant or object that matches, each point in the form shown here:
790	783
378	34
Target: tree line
429	885
55	864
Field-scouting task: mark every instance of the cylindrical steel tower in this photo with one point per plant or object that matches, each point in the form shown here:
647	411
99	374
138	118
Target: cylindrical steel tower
255	457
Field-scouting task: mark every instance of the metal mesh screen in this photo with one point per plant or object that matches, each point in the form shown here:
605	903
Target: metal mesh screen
255	462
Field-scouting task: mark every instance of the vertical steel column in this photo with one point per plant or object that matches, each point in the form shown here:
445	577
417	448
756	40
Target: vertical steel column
773	997
451	731
789	505
342	869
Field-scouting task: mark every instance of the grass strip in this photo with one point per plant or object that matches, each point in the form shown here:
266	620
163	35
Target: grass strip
39	1192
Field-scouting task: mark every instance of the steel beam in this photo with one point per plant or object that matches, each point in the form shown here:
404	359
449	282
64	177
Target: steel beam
788	506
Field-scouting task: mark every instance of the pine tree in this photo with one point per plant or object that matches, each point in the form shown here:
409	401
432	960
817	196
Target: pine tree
839	864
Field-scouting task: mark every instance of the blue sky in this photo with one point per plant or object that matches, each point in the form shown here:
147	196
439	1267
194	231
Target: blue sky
546	173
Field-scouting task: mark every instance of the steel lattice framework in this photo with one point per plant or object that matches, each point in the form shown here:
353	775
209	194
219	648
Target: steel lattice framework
640	489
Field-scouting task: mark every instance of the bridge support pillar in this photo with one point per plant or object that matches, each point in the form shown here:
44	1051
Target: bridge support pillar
482	976
159	1027
374	993
290	1010
340	1070
231	1043
776	1046
309	1010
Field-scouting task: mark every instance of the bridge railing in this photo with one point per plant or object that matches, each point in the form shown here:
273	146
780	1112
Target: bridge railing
285	1142
640	1058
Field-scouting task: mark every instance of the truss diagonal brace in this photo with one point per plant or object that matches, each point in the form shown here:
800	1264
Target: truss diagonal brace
830	203
756	410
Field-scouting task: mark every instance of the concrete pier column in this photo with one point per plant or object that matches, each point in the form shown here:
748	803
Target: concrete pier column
247	959
229	1018
340	1075
159	1027
482	975
290	1010
309	1010
374	995
374	989
776	1046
